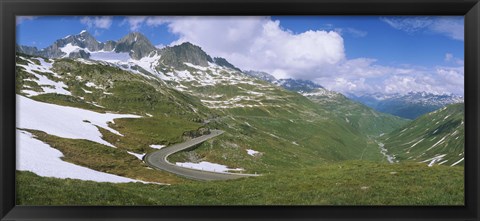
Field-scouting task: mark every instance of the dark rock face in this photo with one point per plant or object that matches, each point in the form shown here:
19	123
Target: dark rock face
224	63
53	51
109	46
26	49
79	54
176	56
83	40
136	44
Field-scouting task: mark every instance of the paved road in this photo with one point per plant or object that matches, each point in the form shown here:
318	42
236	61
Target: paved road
158	160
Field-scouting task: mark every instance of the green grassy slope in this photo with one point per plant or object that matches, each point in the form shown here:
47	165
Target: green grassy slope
347	183
436	138
359	116
288	130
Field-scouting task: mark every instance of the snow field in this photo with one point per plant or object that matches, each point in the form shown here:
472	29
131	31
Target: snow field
109	56
66	122
69	48
40	158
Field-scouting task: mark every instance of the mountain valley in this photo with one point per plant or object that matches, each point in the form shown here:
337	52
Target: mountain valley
112	103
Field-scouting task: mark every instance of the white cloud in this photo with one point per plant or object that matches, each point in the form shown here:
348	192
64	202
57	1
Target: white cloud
352	31
454	76
258	43
452	27
403	84
21	19
450	58
102	22
384	79
344	85
156	21
135	22
408	24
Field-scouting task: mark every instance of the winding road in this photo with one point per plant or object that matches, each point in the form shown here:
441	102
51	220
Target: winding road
158	160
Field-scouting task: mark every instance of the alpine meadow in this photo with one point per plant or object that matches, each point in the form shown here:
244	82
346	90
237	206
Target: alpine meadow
288	110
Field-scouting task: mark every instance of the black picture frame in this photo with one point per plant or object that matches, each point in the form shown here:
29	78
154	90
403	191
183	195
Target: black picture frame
11	8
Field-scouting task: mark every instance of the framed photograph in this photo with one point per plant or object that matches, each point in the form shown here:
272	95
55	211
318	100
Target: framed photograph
239	110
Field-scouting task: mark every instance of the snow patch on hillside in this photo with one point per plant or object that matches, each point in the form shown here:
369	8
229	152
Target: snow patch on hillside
438	142
93	85
47	66
434	160
157	146
459	161
137	155
207	166
40	158
148	63
69	48
196	66
66	122
252	152
415	144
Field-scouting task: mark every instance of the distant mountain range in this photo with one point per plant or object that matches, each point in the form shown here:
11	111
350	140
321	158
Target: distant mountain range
410	105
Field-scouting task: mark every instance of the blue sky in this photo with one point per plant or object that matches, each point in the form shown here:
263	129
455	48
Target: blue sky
43	31
352	52
367	36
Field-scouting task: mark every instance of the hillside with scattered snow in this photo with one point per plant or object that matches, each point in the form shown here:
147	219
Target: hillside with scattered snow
436	138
